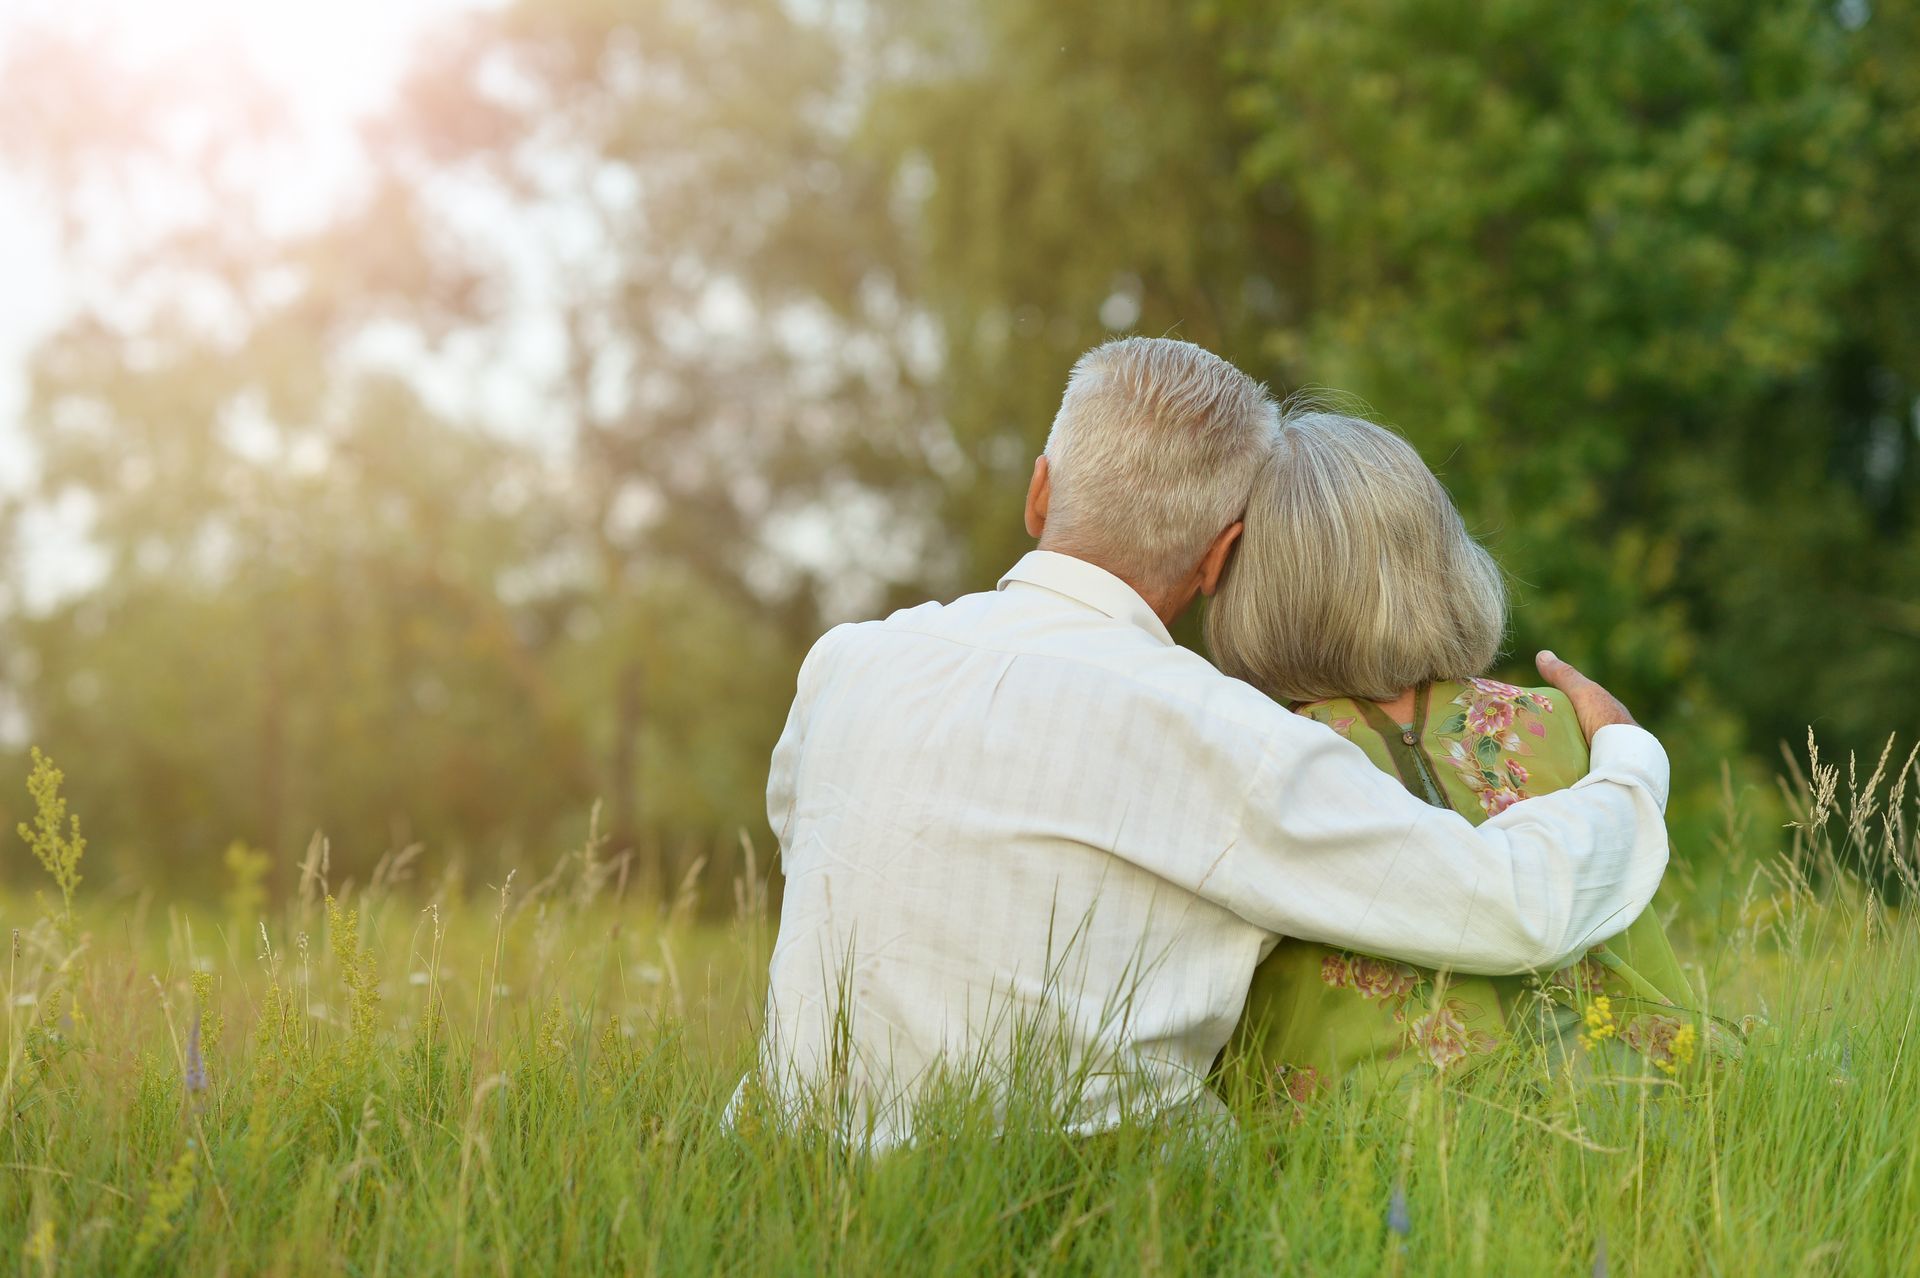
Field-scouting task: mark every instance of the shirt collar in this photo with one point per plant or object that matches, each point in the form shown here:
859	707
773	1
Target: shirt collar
1088	584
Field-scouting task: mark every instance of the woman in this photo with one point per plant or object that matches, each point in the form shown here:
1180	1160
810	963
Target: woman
1358	598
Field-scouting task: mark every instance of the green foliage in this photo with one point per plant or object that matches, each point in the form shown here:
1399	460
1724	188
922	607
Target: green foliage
246	893
210	1023
54	837
1620	271
42	1043
360	975
1075	176
167	1197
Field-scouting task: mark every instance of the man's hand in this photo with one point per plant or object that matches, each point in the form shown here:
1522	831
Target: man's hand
1593	705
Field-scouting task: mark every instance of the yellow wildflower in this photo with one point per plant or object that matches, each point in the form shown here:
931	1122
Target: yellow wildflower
54	836
1679	1050
247	871
1600	1023
166	1198
38	1249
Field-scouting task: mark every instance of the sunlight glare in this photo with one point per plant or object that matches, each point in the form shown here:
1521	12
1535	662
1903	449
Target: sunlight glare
331	60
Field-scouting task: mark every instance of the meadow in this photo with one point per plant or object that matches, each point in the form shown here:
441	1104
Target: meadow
404	1076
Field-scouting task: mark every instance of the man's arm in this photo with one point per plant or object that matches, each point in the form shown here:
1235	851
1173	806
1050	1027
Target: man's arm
783	772
783	769
1332	849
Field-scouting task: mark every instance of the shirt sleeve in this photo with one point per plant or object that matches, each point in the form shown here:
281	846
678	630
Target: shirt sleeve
1332	849
783	770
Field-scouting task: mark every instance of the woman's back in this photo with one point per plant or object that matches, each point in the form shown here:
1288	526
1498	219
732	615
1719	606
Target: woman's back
1316	1014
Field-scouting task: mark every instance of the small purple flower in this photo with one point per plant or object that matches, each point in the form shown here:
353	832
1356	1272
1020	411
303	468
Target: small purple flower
196	1067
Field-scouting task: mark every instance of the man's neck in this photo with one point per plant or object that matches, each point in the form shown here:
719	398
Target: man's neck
1166	605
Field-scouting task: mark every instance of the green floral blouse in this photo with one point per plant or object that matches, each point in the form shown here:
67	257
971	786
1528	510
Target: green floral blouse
1316	1014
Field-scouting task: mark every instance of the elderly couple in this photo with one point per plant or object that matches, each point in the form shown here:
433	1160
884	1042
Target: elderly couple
1029	810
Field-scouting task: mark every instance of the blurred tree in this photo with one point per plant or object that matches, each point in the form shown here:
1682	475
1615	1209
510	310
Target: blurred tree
1638	277
1069	174
315	647
333	598
737	360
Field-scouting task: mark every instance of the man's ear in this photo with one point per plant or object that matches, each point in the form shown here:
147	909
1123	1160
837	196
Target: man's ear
1215	562
1039	493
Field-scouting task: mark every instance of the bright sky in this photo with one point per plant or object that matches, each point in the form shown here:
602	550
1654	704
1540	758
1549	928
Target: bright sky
331	61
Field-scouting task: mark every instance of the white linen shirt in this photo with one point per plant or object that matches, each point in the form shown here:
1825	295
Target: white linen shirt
1031	807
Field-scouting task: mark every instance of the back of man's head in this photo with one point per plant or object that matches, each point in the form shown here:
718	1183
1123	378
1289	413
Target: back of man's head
1152	454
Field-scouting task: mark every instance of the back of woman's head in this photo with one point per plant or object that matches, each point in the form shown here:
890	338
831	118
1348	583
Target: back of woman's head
1355	575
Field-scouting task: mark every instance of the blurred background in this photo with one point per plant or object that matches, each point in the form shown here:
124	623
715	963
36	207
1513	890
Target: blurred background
422	421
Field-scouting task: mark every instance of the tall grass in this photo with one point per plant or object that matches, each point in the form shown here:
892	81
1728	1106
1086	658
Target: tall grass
400	1078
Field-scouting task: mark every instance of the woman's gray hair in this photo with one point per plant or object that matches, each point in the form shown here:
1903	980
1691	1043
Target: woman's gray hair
1355	575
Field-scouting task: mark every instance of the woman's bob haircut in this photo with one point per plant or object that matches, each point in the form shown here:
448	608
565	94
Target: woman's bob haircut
1355	576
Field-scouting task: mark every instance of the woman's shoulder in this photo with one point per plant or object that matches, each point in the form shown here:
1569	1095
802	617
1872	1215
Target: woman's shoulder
1490	700
1490	708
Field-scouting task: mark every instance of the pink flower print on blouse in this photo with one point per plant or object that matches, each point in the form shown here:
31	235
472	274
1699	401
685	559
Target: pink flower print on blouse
1336	971
1494	688
1664	1040
1495	723
1490	717
1588	974
1443	1036
1382	978
1301	1083
1497	799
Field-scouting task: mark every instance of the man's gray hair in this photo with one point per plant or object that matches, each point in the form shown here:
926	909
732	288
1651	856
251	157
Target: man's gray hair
1151	456
1355	576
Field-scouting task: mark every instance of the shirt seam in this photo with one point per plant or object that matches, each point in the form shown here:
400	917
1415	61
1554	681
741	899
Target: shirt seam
1079	662
1229	860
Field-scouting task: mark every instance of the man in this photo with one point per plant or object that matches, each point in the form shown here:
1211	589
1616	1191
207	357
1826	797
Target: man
1027	819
